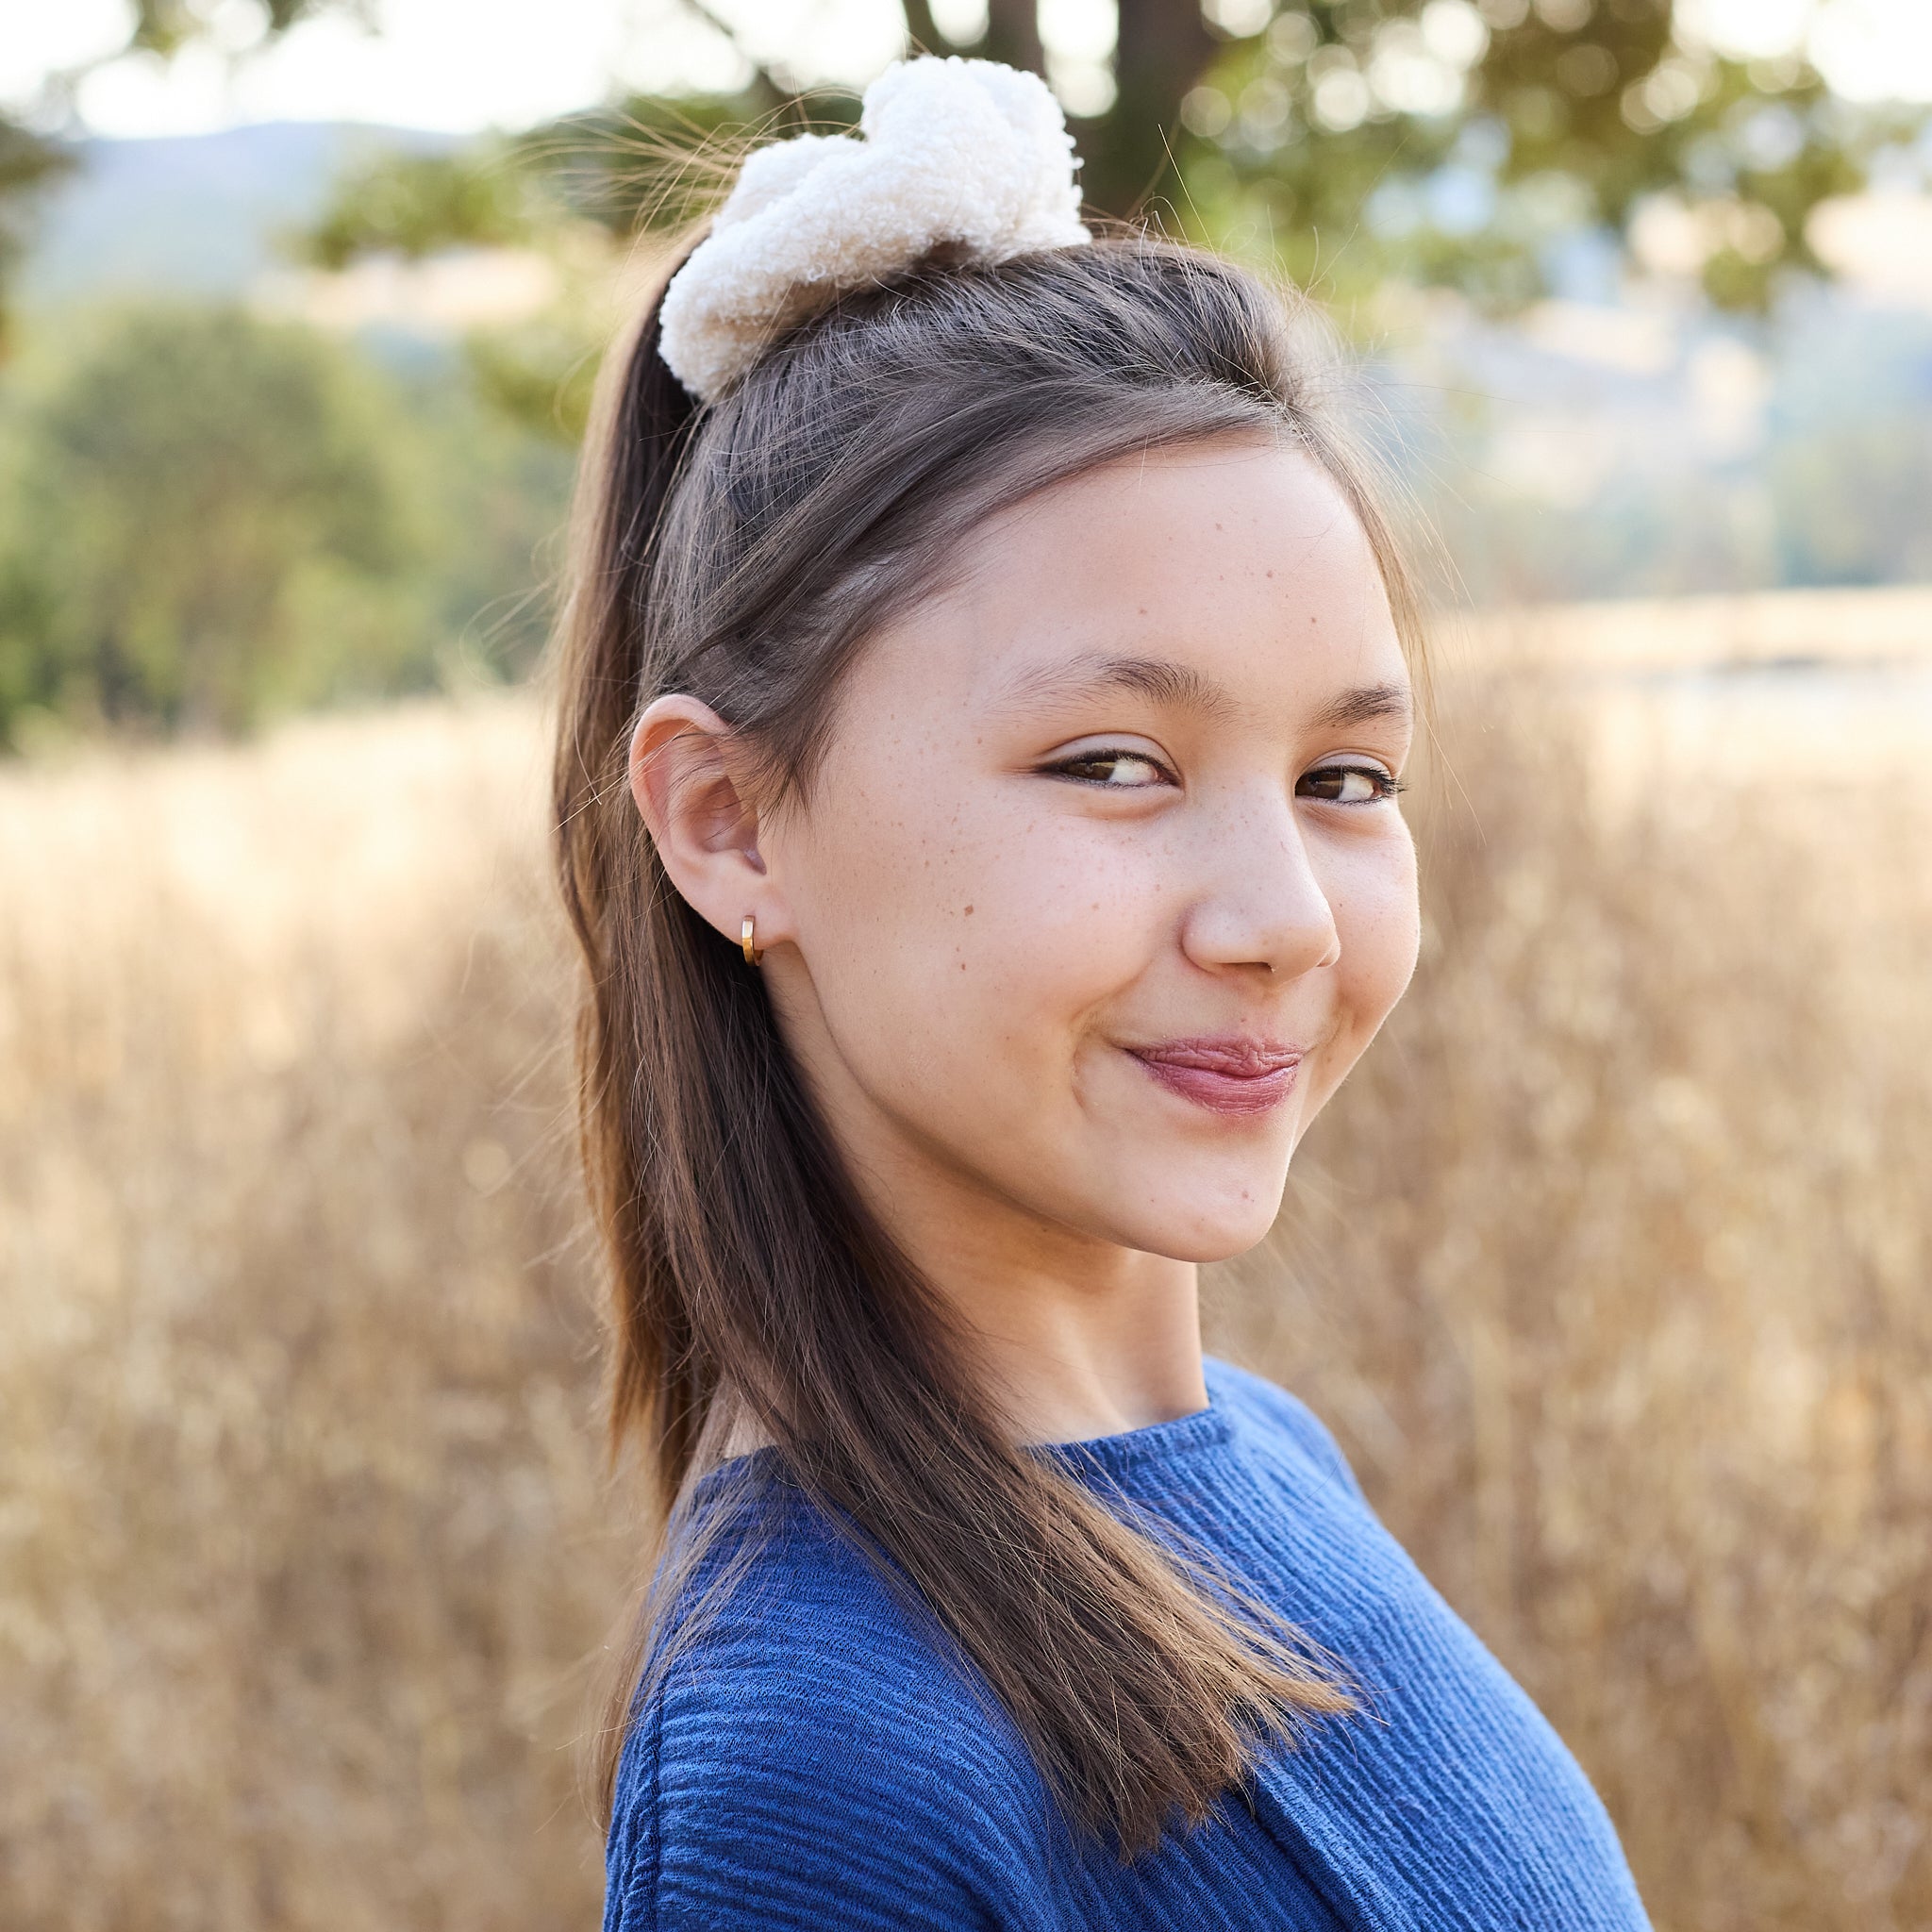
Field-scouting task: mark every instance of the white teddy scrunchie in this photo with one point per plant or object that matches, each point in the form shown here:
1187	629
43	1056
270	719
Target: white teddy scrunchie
966	153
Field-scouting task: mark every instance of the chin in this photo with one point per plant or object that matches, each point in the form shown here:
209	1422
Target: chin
1185	1230
1193	1203
1207	1250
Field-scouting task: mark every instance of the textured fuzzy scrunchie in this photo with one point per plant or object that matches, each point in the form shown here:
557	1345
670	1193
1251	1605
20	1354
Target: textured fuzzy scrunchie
967	154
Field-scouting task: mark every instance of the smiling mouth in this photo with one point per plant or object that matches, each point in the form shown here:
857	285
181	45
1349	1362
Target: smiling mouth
1227	1076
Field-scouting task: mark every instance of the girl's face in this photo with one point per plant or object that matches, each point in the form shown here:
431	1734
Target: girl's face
1103	884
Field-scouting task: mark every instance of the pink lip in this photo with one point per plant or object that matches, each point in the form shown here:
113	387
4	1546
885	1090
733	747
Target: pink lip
1226	1073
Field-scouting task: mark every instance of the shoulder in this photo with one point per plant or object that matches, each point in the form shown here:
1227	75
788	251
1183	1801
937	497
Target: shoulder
1264	1411
816	1754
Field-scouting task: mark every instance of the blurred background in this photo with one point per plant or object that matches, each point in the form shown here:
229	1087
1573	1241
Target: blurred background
1611	1268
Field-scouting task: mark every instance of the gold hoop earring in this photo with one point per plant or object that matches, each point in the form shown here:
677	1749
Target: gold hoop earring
746	933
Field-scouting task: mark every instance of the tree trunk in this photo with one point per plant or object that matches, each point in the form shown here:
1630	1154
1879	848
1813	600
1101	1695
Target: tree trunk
1012	34
1164	48
921	34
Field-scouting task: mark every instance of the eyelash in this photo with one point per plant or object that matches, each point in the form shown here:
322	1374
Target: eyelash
1387	785
1107	754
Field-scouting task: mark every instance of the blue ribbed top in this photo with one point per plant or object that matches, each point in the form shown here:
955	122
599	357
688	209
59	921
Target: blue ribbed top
818	1757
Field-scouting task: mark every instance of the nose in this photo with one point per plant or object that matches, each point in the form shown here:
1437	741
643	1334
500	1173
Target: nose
1257	899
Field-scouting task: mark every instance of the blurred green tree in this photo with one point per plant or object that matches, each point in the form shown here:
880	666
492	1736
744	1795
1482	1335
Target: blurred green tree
29	163
208	517
1457	141
165	26
1468	142
412	205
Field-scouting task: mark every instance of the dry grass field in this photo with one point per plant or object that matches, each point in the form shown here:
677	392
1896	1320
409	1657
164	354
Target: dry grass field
1611	1269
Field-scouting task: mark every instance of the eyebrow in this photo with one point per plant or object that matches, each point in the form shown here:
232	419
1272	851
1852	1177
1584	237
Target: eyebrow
1367	701
1186	687
1157	678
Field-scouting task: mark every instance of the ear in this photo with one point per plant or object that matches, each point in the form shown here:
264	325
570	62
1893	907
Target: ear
685	770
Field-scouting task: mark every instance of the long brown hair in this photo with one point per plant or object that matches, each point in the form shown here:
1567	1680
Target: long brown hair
743	552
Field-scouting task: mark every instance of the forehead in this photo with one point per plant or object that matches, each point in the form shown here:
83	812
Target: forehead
1241	561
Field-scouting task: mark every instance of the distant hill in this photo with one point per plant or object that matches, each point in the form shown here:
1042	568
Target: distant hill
196	214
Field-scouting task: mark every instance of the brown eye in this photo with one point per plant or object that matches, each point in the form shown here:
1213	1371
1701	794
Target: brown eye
1120	770
1348	785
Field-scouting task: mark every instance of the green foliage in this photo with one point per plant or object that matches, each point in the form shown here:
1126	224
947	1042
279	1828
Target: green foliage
411	205
649	164
165	26
538	374
29	163
1457	141
210	514
210	519
645	165
1453	141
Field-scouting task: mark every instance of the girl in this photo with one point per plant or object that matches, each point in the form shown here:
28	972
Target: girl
986	694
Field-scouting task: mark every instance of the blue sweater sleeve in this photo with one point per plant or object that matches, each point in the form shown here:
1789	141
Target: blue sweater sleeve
812	1759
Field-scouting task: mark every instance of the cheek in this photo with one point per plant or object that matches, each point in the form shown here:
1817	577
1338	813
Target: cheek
958	937
1377	918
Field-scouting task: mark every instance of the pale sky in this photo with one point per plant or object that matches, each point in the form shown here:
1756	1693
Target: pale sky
463	65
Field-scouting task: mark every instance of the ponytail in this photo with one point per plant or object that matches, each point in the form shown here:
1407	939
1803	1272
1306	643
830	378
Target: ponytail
743	552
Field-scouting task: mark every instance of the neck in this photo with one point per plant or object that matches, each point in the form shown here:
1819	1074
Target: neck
1070	1358
1075	1335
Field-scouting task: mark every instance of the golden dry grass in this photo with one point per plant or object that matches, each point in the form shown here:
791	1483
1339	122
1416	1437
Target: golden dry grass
1609	1268
299	1540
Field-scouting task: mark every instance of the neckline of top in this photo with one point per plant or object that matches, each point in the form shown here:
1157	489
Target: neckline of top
1162	1441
